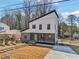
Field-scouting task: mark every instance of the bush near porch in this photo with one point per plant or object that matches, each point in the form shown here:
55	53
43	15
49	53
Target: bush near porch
7	39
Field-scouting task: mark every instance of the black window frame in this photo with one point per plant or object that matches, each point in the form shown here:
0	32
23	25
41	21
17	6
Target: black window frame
33	26
48	26
40	26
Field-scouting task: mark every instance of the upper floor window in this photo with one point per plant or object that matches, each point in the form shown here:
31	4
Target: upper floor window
40	26
48	26
33	26
55	27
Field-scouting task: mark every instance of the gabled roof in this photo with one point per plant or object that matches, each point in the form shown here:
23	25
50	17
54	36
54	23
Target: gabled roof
45	15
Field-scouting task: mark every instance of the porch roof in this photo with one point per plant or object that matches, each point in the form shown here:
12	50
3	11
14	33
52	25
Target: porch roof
34	31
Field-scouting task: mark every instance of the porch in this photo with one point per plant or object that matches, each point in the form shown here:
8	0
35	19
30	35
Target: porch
39	37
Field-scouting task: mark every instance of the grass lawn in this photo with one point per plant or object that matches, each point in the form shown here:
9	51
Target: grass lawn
75	48
28	52
73	44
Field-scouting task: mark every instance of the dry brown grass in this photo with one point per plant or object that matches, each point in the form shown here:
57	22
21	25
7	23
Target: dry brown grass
28	52
69	42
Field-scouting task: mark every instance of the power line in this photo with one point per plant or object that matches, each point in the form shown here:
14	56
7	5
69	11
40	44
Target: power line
15	4
26	7
30	1
30	6
12	5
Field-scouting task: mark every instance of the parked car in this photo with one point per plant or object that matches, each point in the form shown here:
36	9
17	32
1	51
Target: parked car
60	37
76	36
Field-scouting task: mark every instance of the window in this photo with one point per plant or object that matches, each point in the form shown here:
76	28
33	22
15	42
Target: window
48	26
25	36
33	26
40	27
55	27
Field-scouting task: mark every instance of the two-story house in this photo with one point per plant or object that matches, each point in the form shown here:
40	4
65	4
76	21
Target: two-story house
43	29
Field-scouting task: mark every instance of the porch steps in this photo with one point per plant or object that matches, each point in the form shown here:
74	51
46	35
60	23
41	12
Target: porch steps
44	45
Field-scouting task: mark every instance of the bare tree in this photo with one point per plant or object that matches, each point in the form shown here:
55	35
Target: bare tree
71	19
27	13
34	9
7	19
18	19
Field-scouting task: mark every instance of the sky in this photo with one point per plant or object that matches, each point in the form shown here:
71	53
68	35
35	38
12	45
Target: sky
7	3
65	8
68	7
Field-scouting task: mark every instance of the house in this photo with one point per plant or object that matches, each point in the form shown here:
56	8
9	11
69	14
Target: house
43	29
4	27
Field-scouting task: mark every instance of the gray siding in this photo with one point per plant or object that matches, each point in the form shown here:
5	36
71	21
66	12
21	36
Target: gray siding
25	37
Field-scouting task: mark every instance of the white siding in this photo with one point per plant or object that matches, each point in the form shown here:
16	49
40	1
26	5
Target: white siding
49	19
4	27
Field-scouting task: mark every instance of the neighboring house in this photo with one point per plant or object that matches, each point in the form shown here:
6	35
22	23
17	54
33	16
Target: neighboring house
4	27
43	29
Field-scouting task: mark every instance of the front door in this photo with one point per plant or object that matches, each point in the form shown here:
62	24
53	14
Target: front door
35	37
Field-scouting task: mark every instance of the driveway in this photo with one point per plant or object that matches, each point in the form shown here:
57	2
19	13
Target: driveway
60	55
65	49
61	52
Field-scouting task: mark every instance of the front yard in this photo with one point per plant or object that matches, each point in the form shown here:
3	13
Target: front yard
27	52
35	52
